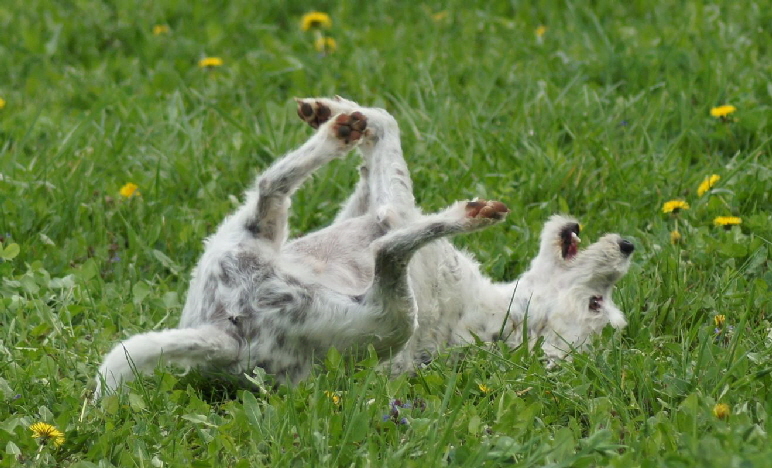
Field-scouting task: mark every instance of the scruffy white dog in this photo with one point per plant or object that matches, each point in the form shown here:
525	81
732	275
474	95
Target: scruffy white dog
382	274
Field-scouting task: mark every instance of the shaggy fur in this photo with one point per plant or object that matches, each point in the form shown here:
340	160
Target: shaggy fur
382	274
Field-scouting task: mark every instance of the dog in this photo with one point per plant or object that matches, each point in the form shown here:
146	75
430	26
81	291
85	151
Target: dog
383	274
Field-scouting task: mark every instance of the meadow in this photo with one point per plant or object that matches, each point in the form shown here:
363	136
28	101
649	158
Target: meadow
606	110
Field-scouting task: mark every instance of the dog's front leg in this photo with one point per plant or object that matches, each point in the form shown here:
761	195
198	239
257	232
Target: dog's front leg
391	292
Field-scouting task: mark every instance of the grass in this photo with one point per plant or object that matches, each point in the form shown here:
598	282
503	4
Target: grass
605	116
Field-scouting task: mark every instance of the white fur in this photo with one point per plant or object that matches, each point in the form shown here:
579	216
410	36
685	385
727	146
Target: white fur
382	274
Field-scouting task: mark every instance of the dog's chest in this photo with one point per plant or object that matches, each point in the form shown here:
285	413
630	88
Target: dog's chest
438	274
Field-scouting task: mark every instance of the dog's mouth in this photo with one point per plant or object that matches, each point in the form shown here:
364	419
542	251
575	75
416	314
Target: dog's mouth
569	240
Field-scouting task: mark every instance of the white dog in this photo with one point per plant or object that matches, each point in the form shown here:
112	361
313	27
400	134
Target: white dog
380	275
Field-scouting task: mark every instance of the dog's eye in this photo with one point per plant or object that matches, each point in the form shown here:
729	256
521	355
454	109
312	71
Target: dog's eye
596	302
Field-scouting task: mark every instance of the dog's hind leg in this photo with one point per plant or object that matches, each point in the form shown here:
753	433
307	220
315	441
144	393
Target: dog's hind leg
384	188
265	213
317	111
358	203
391	188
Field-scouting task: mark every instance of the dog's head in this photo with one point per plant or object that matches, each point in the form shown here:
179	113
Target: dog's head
603	263
579	283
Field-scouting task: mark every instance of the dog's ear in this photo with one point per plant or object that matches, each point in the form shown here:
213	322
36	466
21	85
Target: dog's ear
559	241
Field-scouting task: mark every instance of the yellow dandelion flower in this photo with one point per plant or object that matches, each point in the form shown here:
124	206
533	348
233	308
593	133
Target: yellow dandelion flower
129	190
722	111
721	411
2	103
719	320
439	16
333	396
707	184
674	206
46	432
727	221
675	237
159	29
484	388
315	20
325	45
541	30
209	62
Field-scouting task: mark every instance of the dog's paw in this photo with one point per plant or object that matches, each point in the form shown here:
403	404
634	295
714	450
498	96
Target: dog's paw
316	111
476	214
349	128
486	209
313	113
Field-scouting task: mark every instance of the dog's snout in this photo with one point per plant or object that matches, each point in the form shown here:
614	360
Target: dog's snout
626	246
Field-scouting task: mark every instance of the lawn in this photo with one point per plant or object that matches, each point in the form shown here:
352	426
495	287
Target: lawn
606	112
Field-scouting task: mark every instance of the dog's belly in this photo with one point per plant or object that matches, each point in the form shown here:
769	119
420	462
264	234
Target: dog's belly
338	257
349	276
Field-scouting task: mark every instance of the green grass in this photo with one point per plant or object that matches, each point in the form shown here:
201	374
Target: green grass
607	116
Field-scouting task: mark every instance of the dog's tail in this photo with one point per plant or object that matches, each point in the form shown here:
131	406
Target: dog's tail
184	347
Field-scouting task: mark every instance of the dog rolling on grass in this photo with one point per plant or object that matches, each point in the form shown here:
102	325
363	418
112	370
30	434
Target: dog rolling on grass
382	274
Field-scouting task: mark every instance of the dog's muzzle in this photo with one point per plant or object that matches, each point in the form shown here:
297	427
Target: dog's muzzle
626	246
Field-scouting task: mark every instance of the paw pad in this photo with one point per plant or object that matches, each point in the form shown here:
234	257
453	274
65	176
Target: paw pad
349	127
314	113
486	209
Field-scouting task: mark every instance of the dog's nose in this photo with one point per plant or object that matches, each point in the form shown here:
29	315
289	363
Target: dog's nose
626	246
